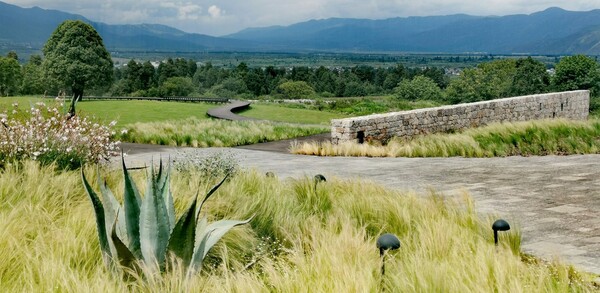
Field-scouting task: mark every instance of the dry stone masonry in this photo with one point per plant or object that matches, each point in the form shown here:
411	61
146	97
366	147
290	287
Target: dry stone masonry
406	124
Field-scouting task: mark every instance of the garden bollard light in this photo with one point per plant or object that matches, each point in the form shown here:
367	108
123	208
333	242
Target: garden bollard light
319	178
385	242
499	225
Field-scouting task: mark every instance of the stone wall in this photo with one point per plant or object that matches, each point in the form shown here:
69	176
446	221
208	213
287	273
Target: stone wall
406	124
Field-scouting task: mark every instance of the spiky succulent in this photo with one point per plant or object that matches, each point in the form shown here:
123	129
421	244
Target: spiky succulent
144	230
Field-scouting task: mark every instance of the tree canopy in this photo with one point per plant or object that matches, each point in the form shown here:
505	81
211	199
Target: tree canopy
577	72
76	59
419	88
10	75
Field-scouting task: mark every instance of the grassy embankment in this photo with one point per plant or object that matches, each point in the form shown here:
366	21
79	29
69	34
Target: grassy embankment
214	133
300	240
546	137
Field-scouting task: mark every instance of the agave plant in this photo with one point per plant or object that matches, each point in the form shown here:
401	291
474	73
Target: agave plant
144	230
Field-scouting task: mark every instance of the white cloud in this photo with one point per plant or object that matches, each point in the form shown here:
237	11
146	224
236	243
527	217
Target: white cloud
204	16
190	11
214	11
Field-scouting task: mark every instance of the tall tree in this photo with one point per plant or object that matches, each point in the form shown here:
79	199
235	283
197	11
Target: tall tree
491	80
33	76
76	59
10	76
577	72
531	77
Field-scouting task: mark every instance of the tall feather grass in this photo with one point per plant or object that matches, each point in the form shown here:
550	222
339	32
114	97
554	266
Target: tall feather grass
534	138
214	133
303	239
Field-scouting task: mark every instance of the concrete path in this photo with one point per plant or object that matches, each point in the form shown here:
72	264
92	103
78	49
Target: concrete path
227	111
554	199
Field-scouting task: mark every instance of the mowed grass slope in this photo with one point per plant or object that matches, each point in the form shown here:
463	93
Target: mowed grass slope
133	111
301	239
126	112
544	137
292	115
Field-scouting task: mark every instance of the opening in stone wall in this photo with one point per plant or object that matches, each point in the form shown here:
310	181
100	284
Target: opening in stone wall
360	136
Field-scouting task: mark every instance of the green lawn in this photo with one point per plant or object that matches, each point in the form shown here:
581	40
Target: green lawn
128	112
286	114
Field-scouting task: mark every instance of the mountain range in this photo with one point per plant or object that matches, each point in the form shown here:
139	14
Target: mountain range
552	31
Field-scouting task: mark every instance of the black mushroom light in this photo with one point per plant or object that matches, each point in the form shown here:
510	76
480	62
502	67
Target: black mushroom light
386	242
499	225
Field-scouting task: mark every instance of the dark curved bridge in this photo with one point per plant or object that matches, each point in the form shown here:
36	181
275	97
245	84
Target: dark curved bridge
228	111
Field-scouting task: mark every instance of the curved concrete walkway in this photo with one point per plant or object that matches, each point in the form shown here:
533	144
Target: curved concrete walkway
227	112
555	200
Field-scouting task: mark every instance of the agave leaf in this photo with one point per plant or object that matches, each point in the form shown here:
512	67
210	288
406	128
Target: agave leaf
218	229
111	209
181	242
154	225
201	225
198	256
100	219
210	192
209	236
165	189
124	255
132	203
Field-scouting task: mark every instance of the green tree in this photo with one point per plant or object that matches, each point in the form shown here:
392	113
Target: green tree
10	76
166	70
354	88
33	76
419	88
147	75
13	55
229	87
177	87
76	59
577	72
295	90
491	80
530	78
133	76
256	81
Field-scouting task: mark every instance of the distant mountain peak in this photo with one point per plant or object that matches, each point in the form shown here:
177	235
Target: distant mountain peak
551	31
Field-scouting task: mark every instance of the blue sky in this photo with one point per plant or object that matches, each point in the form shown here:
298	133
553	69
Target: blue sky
214	17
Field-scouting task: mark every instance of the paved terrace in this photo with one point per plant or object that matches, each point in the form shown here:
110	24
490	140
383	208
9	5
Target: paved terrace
554	199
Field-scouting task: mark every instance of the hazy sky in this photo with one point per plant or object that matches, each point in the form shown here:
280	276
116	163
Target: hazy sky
219	17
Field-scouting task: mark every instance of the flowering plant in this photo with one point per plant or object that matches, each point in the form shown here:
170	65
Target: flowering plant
45	134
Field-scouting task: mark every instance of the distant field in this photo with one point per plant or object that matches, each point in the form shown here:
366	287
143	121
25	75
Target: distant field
286	114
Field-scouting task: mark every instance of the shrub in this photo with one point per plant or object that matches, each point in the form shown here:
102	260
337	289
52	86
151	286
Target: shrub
295	90
212	165
419	88
46	134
